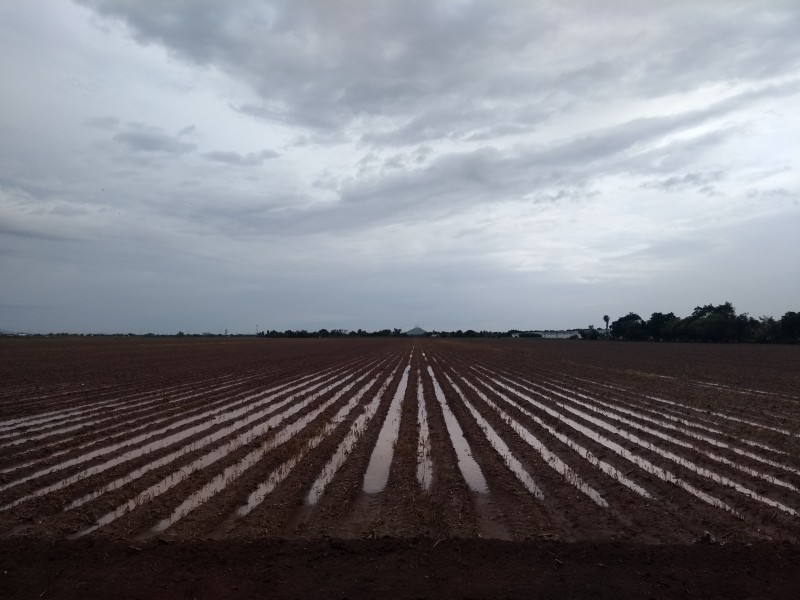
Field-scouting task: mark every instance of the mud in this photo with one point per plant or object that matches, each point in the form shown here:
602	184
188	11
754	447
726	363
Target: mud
441	440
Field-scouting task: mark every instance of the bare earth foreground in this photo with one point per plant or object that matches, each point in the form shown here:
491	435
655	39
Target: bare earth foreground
228	467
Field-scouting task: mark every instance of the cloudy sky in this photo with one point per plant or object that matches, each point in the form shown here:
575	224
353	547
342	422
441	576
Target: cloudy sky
199	165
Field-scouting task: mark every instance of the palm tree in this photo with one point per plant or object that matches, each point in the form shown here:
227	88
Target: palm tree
606	319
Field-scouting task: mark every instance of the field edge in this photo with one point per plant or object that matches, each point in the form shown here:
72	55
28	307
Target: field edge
392	567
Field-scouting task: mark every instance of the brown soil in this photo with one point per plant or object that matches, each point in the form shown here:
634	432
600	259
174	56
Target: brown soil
665	403
393	568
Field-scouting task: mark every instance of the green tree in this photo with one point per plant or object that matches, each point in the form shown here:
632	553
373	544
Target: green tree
629	327
790	325
661	326
726	310
590	333
769	330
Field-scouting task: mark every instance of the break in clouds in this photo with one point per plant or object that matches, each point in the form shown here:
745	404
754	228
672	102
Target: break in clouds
205	166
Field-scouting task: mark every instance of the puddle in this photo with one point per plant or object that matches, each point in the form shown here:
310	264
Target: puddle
661	435
746	422
225	403
278	475
741	390
703	411
381	460
24	438
126	410
686	426
46	401
637	460
221	481
469	468
63	414
346	447
70	414
228	447
500	446
669	455
88	426
424	459
596	462
180	475
551	459
164	442
218	417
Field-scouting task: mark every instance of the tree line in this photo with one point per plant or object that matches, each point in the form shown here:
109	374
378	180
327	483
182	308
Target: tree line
338	333
329	333
707	323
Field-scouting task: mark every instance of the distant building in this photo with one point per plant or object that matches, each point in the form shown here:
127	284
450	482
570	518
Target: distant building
563	334
416	332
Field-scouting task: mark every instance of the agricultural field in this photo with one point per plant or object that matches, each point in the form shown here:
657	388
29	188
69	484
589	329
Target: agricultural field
538	444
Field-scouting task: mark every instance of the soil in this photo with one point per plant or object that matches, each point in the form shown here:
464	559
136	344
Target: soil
707	435
393	568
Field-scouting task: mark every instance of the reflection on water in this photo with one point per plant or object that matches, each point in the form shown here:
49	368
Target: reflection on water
209	458
381	460
257	496
220	415
612	414
605	467
344	450
552	460
466	463
424	459
640	462
659	450
500	446
231	473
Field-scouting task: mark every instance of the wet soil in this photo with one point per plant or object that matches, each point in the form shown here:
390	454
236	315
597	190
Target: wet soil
406	540
393	568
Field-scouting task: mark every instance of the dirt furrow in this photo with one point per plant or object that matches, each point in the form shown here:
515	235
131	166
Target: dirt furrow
89	479
170	487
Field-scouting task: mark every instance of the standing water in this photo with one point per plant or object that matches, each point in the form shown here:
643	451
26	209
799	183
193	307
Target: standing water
424	460
381	460
466	463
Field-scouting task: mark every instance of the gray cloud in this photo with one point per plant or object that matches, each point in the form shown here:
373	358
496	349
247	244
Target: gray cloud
447	163
460	68
678	183
105	123
32	234
251	159
138	137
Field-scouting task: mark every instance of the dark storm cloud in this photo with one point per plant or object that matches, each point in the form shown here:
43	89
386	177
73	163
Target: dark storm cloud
138	137
251	159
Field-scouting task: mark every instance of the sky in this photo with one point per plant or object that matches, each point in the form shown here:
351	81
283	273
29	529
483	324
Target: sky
204	166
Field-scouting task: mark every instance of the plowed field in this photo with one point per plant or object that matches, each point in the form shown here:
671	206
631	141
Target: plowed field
148	442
